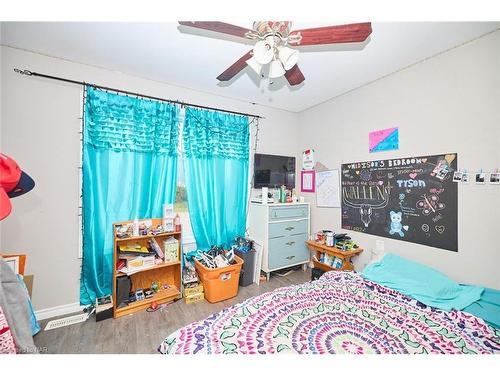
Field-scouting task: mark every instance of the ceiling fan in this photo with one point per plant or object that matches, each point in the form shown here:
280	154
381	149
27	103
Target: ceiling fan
273	42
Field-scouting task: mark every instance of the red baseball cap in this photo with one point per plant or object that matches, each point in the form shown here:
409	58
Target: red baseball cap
13	182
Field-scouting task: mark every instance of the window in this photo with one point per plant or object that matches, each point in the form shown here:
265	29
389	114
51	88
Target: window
181	205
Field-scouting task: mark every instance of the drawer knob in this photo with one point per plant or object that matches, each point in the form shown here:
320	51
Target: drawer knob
290	257
290	243
289	228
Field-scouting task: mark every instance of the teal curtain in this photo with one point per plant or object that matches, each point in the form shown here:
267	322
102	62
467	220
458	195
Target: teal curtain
216	153
129	171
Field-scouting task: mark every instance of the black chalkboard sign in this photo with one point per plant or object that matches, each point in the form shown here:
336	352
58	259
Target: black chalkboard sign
411	199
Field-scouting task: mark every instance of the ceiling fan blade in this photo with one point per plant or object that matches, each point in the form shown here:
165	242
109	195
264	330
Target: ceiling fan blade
234	69
220	27
355	32
294	76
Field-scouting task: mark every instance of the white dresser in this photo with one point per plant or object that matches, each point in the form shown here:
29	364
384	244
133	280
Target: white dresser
282	230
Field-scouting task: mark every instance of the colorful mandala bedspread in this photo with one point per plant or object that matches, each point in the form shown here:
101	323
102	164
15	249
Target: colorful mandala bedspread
339	313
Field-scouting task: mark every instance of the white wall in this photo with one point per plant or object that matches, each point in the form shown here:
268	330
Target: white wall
40	130
449	103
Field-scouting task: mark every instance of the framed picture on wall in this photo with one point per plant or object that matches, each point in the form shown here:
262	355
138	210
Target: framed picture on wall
457	176
480	178
307	181
495	178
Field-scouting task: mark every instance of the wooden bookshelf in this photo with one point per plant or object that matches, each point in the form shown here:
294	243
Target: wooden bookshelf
317	248
166	273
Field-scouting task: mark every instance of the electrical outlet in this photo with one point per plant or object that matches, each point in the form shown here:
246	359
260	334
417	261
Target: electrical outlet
378	250
379	246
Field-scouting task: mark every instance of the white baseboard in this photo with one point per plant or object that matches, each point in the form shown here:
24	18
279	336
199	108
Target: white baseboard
58	310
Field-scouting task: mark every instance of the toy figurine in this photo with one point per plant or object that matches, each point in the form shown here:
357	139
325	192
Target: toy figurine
154	286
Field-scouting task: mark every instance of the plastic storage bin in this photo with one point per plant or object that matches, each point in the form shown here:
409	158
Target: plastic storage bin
248	269
220	283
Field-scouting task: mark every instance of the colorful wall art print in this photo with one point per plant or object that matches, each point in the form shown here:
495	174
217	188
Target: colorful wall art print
410	199
384	140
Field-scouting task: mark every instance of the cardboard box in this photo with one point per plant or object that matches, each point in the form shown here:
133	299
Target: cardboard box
196	290
28	281
193	298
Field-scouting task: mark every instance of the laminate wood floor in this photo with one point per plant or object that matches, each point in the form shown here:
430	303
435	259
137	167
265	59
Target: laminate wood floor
143	332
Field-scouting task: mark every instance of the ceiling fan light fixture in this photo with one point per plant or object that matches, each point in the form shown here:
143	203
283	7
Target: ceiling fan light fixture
276	69
256	67
272	39
263	51
288	57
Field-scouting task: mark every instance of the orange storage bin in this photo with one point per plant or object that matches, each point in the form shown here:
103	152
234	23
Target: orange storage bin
220	283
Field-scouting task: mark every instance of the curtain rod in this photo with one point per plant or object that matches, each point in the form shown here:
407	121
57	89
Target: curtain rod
30	73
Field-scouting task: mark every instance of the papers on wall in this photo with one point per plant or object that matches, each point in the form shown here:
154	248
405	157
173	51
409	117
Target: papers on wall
328	188
308	159
384	140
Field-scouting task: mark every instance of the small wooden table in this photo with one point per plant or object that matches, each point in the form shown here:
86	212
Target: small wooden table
317	248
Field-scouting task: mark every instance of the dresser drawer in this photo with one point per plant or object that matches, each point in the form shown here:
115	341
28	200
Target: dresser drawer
285	251
288	228
287	212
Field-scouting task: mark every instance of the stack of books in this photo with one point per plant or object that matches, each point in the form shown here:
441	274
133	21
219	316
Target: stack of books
135	258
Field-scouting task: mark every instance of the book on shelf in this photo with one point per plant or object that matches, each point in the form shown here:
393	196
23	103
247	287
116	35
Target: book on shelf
120	264
157	249
133	249
136	264
125	270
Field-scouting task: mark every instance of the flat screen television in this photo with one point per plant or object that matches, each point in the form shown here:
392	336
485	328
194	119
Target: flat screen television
273	171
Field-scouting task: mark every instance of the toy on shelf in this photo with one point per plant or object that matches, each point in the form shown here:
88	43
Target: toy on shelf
155	286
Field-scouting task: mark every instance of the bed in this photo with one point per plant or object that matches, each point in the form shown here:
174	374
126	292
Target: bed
339	313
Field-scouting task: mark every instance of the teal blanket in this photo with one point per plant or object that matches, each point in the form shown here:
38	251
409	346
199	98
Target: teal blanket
423	283
487	308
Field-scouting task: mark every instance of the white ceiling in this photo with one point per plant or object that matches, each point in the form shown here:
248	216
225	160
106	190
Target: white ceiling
165	52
